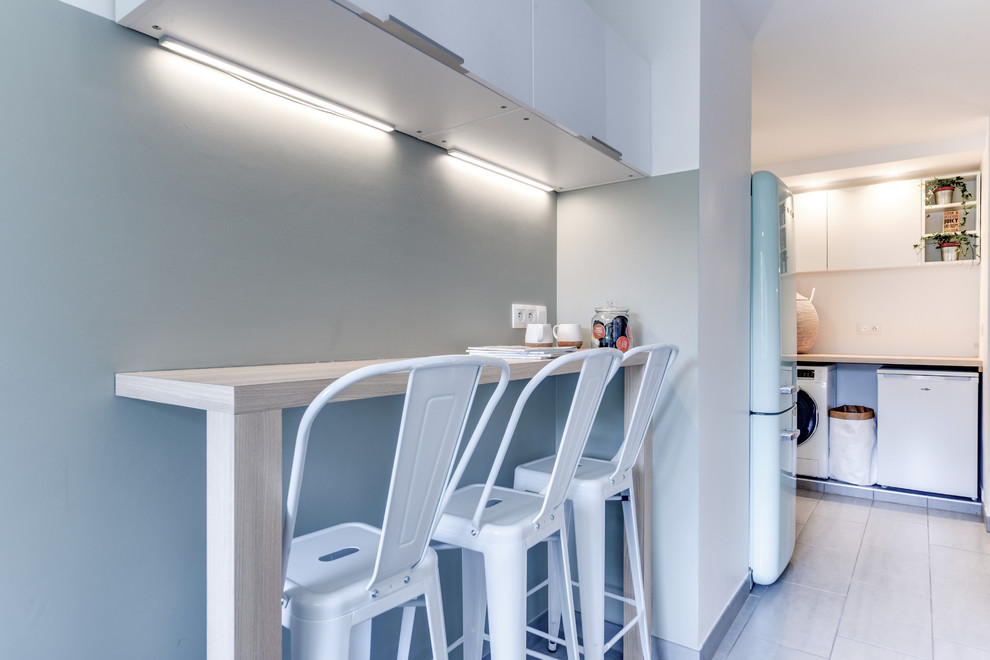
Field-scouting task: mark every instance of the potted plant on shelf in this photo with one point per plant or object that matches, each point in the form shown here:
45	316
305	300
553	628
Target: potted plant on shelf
939	190
953	246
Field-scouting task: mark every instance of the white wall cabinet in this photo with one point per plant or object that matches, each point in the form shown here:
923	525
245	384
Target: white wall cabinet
495	39
558	57
569	65
873	226
811	231
627	102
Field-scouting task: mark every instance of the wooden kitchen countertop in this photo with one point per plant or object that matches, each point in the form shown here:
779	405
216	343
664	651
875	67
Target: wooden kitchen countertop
238	390
912	360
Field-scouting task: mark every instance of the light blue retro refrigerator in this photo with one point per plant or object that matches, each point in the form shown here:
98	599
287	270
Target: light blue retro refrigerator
773	384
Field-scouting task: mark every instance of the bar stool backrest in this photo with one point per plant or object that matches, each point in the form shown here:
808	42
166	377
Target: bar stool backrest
660	357
439	394
600	364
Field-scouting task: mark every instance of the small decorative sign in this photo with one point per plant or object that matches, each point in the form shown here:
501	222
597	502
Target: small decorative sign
950	221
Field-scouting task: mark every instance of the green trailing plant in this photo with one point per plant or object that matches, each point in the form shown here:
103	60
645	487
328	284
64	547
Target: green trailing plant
931	185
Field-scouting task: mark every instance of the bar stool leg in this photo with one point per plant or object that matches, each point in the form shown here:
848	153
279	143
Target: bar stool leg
434	617
328	639
555	579
405	632
360	641
505	578
567	593
589	530
636	570
474	603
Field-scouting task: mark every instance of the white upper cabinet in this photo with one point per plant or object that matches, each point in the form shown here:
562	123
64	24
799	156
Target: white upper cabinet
627	102
534	86
873	226
569	65
495	39
811	231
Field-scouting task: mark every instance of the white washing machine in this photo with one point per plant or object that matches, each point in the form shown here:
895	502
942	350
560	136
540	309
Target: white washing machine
816	394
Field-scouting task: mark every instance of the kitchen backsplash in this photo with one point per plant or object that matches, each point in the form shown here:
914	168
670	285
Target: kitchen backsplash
918	311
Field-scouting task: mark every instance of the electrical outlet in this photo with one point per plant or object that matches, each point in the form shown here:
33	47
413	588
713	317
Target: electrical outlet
868	328
523	314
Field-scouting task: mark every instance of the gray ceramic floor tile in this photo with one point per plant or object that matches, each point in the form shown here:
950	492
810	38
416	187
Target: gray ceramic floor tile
900	512
910	534
850	649
814	494
961	568
957	530
853	509
961	615
832	533
754	648
892	619
893	568
829	569
797	617
945	650
805	505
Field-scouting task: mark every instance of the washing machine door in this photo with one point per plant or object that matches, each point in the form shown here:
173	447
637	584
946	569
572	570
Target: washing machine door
807	416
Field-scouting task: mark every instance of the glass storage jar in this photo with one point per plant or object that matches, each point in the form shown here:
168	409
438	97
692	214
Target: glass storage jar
610	327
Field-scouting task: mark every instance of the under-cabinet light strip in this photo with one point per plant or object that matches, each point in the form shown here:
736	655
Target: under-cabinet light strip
468	158
269	84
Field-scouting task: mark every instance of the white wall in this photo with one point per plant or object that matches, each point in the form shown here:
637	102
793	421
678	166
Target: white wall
724	194
637	243
929	310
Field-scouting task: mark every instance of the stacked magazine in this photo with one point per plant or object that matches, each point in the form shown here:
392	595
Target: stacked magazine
520	352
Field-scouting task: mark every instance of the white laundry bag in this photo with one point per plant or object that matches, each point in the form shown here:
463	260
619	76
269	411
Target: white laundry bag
852	445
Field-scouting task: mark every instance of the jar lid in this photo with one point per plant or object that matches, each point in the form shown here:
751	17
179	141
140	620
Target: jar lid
610	306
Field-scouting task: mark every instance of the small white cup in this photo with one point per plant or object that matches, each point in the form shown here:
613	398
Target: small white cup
568	334
539	335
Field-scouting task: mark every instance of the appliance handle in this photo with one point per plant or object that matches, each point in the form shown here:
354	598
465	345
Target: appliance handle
790	434
793	389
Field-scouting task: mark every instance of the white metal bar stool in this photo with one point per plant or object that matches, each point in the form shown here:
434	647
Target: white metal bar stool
338	578
495	526
595	482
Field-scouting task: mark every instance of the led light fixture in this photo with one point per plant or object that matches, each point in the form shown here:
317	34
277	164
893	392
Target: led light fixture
268	84
468	158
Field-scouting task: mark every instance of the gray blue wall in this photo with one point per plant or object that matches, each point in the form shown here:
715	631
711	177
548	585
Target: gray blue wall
155	214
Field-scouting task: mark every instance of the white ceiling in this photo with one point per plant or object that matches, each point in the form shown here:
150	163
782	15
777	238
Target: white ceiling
840	84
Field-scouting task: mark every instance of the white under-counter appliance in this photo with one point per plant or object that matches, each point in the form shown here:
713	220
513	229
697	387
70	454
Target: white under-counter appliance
816	395
927	436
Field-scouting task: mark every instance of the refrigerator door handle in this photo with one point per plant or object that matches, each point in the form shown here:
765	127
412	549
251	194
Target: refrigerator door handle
793	389
789	434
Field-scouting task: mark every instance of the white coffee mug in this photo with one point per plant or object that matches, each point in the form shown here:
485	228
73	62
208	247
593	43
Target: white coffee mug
539	334
568	334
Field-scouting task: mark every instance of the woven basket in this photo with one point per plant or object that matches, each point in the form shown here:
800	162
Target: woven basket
807	323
